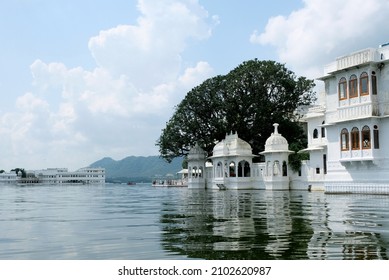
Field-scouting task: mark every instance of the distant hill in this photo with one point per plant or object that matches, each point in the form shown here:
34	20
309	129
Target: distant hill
137	169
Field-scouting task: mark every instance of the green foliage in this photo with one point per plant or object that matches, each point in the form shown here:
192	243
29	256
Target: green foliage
295	159
248	100
23	172
185	163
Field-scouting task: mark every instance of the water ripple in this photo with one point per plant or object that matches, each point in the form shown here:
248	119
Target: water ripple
141	222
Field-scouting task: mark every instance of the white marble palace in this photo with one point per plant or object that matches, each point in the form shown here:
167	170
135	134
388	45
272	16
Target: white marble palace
55	176
348	132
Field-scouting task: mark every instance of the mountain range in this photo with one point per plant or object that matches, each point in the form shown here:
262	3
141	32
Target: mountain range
137	168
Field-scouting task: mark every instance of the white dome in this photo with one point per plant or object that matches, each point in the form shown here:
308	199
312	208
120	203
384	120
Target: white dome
196	152
232	145
219	148
276	142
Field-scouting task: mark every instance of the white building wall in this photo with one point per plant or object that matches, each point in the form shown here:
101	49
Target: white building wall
363	169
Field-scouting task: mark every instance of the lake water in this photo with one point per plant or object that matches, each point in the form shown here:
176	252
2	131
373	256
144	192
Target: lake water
142	222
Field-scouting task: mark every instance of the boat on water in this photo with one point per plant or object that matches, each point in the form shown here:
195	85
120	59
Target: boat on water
169	183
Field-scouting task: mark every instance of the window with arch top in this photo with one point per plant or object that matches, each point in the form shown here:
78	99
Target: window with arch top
344	141
315	133
352	86
364	84
323	129
355	138
366	140
342	88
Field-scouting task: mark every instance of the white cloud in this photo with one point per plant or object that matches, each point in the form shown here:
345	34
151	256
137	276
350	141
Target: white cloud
156	43
196	75
316	34
74	116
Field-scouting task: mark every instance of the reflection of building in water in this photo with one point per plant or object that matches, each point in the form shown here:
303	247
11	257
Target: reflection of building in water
279	223
345	230
232	212
275	225
318	210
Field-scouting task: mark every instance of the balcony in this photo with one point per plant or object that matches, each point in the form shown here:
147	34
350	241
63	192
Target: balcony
356	111
359	155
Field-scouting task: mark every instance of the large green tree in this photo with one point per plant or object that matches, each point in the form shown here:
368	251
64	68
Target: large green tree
248	100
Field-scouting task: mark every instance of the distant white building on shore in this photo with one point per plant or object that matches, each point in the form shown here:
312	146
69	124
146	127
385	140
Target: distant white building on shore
348	132
56	176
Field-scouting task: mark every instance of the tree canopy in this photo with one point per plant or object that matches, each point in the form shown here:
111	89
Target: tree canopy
248	100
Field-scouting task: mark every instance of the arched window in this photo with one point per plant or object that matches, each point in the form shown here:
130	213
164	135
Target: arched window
364	84
355	138
276	168
315	133
342	88
344	140
244	169
268	168
376	138
353	86
219	170
232	169
240	169
195	172
284	169
366	137
373	83
200	172
323	130
247	169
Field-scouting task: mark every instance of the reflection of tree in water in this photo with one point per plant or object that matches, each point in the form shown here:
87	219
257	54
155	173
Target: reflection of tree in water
301	228
235	225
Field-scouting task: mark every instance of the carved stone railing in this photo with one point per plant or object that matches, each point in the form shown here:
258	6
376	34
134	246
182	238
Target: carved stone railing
353	112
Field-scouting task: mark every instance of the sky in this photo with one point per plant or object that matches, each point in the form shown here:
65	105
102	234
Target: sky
85	79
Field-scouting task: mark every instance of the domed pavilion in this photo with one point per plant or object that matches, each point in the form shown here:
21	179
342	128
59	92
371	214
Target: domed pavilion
232	163
196	167
276	153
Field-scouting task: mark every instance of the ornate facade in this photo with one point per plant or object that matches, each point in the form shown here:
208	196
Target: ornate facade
347	134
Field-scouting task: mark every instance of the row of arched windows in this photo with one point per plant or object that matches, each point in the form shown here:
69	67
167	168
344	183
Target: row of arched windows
195	172
351	88
242	169
358	139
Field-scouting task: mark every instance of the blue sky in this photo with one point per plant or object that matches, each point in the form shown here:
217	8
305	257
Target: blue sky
85	79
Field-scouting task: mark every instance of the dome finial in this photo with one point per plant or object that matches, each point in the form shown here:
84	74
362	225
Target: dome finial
275	128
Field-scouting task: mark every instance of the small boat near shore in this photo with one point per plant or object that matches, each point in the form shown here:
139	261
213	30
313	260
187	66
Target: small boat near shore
169	183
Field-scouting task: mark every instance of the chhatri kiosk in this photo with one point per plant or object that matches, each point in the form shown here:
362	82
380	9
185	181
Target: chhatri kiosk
275	174
231	165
